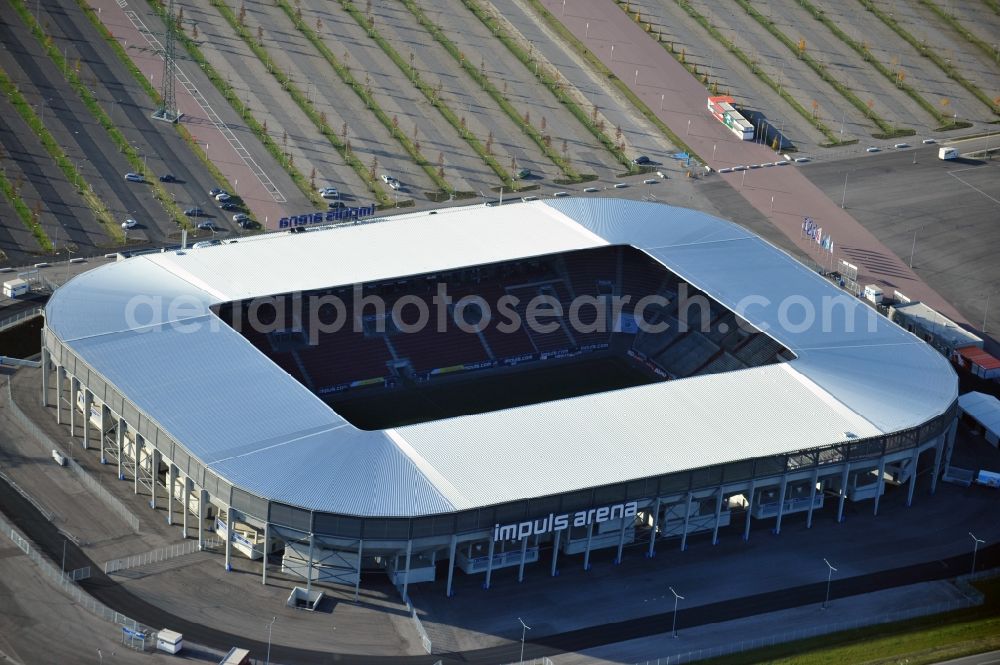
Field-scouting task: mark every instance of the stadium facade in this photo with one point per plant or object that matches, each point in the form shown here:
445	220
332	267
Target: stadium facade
795	395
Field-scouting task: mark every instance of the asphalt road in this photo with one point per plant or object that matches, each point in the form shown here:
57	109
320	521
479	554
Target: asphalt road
640	135
474	39
74	128
26	518
159	142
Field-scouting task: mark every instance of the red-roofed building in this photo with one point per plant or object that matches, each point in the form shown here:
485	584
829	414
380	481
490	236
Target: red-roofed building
978	362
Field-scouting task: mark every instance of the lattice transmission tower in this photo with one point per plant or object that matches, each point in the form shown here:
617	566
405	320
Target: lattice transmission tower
168	110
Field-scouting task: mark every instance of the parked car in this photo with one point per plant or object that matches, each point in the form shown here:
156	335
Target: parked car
229	205
333	205
872	148
524	173
222	196
134	177
207	225
386	178
129	223
194	212
329	192
394	184
215	190
168	177
240	217
640	160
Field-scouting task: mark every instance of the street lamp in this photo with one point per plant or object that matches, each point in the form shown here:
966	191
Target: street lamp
676	598
524	628
829	577
269	626
975	548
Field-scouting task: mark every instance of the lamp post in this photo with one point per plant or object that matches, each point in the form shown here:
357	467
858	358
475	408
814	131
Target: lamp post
269	626
524	629
677	597
975	548
829	578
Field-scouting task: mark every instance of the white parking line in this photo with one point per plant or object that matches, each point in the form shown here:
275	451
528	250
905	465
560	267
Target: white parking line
970	185
223	128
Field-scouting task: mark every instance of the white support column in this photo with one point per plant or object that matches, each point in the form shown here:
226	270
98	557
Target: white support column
263	559
555	555
652	530
451	564
154	475
357	581
586	554
621	543
202	516
87	401
718	516
309	568
45	373
844	477
746	525
687	520
59	393
140	443
406	582
938	452
229	541
524	553
781	503
489	565
812	497
120	441
105	413
880	484
170	492
186	503
74	386
913	476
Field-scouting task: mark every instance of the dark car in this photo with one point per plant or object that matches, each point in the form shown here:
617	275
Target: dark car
215	190
207	225
168	177
641	160
333	205
229	205
194	212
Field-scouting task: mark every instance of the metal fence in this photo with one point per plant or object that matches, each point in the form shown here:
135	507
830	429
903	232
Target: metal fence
65	583
85	478
161	554
971	598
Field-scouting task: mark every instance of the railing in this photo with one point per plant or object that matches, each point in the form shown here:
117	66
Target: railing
161	554
21	316
971	597
66	583
88	480
424	638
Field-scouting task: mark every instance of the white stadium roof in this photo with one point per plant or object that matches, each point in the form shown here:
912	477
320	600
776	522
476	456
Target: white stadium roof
144	324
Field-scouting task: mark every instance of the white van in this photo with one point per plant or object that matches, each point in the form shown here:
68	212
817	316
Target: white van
947	153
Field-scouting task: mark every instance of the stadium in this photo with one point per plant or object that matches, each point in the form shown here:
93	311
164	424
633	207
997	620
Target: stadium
491	387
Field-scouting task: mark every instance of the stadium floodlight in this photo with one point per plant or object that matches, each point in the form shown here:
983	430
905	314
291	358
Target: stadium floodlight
829	578
677	597
976	542
524	628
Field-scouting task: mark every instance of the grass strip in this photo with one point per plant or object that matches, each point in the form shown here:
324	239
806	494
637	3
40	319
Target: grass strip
227	91
104	120
760	74
886	129
957	26
549	81
484	82
932	54
62	161
429	93
945	122
994	5
303	102
151	92
602	69
919	641
22	210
